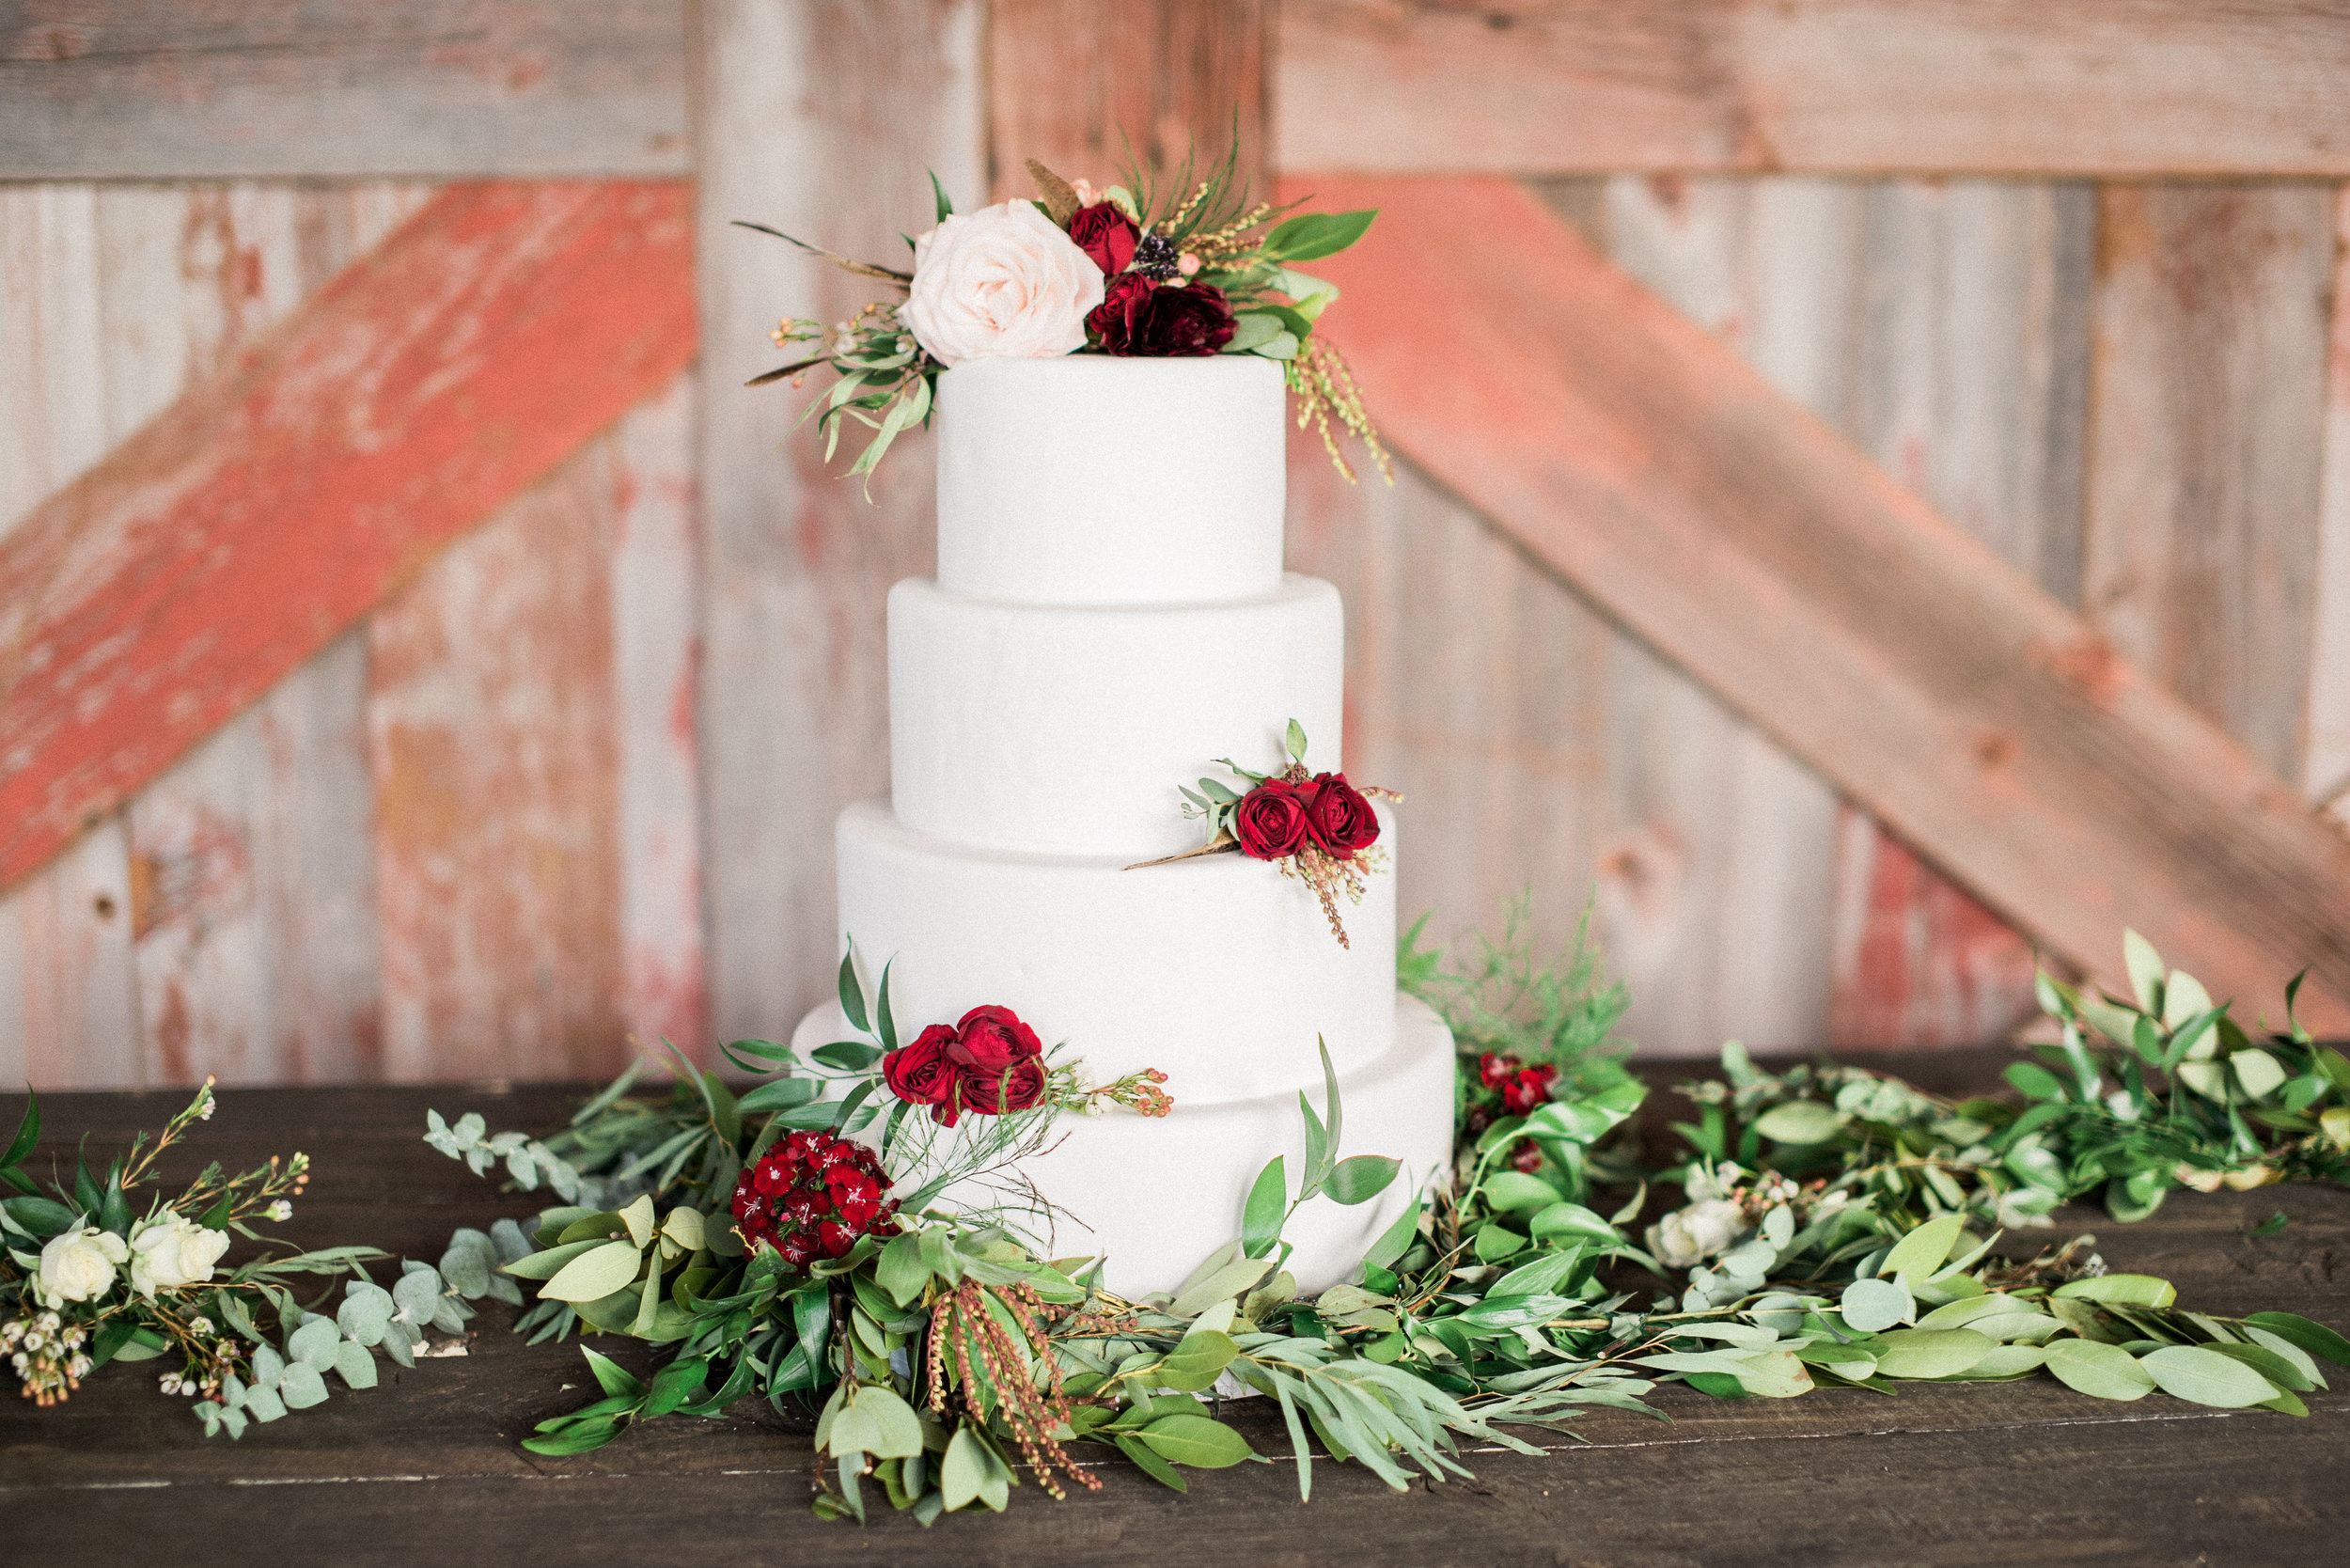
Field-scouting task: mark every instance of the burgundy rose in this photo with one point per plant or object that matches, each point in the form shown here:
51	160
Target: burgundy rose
1337	817
1167	323
990	1039
1270	821
1015	1087
922	1074
1106	234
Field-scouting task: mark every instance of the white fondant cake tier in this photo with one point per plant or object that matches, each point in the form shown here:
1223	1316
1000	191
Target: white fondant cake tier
1068	729
1220	971
1157	1196
1093	481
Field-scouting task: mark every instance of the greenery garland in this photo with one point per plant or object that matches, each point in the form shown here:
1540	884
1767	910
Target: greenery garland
1838	1230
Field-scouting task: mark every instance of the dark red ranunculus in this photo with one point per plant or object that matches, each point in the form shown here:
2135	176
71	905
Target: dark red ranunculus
1167	322
1018	1087
1337	817
1106	234
990	1039
922	1074
1526	1089
1270	820
1112	321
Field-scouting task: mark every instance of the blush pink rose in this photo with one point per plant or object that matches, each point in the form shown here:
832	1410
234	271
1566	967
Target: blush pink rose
1004	282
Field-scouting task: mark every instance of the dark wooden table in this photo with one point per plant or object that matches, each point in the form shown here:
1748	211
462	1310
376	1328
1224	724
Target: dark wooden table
426	1468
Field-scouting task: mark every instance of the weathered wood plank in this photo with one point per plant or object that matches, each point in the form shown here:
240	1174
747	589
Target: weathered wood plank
1557	86
154	89
253	891
2325	767
68	998
1634	456
2208	411
162	287
1973	356
163	590
493	738
818	117
664	993
1082	85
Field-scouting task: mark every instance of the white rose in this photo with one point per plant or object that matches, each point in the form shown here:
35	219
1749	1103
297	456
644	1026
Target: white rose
1004	282
171	1251
78	1265
1689	1236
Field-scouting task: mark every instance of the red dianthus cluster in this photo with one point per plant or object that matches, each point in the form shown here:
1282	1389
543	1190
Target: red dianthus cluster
1522	1090
812	1196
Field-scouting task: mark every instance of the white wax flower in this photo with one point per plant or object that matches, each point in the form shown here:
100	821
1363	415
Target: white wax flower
173	1251
1688	1236
1005	282
78	1265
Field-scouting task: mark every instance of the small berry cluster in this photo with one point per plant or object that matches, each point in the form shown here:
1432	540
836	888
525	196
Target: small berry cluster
812	1196
46	1355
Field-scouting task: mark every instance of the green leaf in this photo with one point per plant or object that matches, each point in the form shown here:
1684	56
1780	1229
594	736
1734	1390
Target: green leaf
1514	1192
885	1024
1574	1219
2277	1368
546	1264
1799	1121
1149	1463
781	1094
938	194
1920	1252
902	1271
972	1474
579	1437
725	1114
1268	1201
849	1056
2035	1081
893	1430
313	1343
2207	1377
469	1262
851	994
594	1273
2313	1338
355	1365
1197	1361
302	1386
2145	969
1296	738
1361	1179
1872	1306
2100	1370
1543	1276
1222	1285
1931	1352
1202	1442
2127	1289
27	1132
1314	235
1396	1239
611	1377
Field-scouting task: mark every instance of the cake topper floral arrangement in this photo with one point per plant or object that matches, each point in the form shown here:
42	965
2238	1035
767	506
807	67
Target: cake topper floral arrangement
1182	268
1316	826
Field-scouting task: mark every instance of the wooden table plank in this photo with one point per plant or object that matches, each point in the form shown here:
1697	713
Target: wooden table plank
427	1463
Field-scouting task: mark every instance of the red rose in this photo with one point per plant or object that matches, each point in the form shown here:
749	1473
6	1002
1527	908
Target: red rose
1167	322
1017	1088
1270	821
1337	817
1106	234
990	1039
922	1074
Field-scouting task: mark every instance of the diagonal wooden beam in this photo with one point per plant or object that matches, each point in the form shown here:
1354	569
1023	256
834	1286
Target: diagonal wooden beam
1631	452
267	509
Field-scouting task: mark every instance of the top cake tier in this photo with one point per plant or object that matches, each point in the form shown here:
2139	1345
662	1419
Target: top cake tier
1092	480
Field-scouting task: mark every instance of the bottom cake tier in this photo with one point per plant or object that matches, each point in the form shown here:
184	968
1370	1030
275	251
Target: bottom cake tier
1155	1196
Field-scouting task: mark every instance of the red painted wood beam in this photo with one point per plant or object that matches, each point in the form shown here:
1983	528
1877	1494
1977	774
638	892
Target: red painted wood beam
1638	457
267	509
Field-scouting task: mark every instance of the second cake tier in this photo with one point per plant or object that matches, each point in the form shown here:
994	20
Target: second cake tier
1069	729
1220	971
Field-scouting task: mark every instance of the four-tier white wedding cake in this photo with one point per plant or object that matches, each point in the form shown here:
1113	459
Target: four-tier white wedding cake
1110	616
